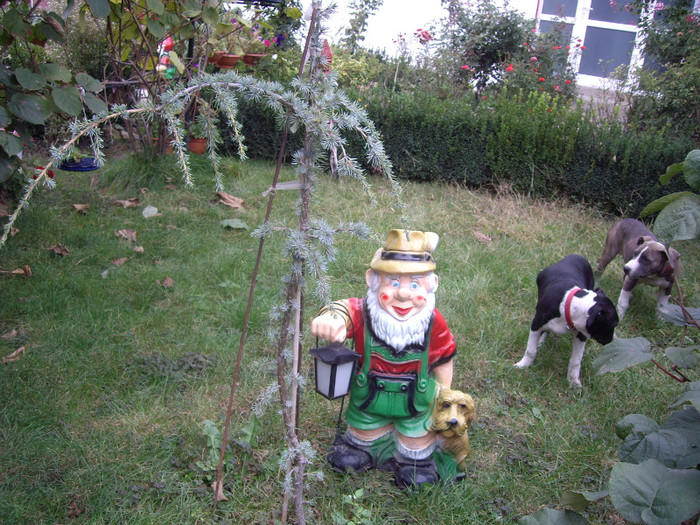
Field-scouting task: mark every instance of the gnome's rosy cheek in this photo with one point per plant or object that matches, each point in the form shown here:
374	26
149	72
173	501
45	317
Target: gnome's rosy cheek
384	297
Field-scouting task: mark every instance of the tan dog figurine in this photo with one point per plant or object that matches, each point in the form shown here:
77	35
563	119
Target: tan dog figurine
453	414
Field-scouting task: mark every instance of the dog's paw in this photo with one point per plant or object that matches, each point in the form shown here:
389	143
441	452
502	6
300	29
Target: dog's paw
575	382
523	363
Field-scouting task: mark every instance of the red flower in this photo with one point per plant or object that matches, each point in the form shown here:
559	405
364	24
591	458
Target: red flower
567	82
510	67
549	109
583	47
465	67
50	174
541	79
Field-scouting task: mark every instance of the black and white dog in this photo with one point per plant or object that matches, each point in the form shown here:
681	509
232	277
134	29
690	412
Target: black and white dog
567	302
646	261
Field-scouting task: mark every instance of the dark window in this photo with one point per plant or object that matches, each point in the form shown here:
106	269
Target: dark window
605	50
559	7
612	11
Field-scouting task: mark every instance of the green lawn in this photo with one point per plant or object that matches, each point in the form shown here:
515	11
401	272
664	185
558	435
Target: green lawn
128	353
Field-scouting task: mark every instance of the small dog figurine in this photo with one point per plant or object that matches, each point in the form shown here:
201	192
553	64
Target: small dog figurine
453	414
567	302
646	261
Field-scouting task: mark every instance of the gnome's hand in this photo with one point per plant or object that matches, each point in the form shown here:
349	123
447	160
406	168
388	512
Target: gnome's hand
330	326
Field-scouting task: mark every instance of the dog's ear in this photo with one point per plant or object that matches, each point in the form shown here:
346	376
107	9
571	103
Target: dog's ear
673	258
599	292
640	241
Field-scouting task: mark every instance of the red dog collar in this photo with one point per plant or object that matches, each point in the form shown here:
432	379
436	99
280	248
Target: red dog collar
567	308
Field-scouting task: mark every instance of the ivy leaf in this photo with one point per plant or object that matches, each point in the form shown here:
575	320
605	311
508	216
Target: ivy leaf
29	80
31	108
55	72
67	99
691	394
674	314
680	220
553	517
5	117
653	493
100	8
294	12
622	354
88	83
687	357
210	15
95	104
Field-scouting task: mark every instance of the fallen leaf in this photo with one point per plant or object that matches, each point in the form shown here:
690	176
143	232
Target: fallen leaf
170	186
59	249
128	203
81	208
120	261
482	237
229	200
74	510
14	231
24	272
182	208
150	211
170	227
129	235
218	488
168	282
14	356
10	335
143	190
138	249
234	224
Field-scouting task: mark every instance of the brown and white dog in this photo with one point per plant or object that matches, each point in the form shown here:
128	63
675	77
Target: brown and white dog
646	261
567	302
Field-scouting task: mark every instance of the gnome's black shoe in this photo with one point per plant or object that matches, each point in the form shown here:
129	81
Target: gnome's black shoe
409	473
344	457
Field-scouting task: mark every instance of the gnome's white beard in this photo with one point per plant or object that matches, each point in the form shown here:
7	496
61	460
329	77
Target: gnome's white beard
399	334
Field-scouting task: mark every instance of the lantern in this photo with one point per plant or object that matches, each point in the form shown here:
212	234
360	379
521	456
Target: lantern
334	366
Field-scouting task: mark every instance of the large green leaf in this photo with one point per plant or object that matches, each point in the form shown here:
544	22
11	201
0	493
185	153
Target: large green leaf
660	203
635	423
654	494
55	72
680	220
88	83
674	314
691	394
156	6
676	443
95	104
686	357
29	80
99	7
67	99
156	29
210	15
622	354
31	108
10	143
192	9
553	517
7	168
5	117
580	500
691	166
671	171
175	61
14	23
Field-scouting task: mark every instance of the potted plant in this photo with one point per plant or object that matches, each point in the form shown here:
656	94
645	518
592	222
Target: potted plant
200	130
78	161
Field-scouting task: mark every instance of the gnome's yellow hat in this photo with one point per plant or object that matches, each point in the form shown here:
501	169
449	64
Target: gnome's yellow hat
406	252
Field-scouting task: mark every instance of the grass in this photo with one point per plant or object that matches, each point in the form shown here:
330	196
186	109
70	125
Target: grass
102	418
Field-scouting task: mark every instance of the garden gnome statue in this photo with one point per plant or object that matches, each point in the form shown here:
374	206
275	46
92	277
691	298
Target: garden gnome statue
406	349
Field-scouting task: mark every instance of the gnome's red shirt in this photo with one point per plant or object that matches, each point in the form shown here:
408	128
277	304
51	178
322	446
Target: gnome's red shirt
442	344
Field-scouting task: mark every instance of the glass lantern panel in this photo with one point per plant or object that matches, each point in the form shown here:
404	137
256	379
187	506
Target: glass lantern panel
323	378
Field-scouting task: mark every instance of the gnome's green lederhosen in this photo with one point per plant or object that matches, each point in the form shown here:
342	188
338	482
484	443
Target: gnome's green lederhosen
404	400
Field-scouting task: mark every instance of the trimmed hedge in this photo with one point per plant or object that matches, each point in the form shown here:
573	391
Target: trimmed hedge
538	144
